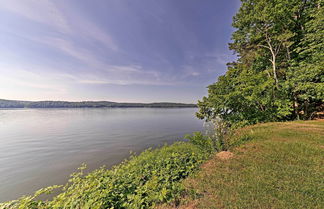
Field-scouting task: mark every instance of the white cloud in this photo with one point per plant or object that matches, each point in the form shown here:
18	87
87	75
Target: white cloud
43	11
49	13
94	32
189	71
125	82
95	70
220	58
93	63
18	80
195	74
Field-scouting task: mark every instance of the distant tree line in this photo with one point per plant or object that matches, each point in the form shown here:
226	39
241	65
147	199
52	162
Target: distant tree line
279	72
86	104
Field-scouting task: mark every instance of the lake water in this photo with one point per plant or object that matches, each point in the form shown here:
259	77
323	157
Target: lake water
41	147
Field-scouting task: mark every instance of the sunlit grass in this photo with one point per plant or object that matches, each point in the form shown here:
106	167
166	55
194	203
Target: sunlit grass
282	167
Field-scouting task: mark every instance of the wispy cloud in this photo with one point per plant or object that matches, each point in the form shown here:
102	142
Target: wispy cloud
127	82
48	12
51	14
94	32
22	77
93	63
58	46
220	58
43	11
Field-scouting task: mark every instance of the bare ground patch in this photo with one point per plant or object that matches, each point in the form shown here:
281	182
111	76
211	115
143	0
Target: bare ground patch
225	155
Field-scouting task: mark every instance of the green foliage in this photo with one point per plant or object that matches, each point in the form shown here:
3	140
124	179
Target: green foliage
30	202
306	76
201	140
279	72
150	178
222	136
218	137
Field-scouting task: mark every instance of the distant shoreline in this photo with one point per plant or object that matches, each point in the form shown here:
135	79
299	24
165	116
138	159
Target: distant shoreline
21	108
19	104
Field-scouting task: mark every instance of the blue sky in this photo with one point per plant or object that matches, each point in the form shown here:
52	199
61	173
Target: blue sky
115	50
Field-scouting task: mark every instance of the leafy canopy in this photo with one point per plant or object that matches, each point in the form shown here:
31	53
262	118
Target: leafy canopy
278	74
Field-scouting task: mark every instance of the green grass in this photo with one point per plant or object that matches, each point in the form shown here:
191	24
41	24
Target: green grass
281	167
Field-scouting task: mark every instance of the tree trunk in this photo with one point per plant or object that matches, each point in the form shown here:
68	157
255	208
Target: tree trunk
274	68
295	104
273	60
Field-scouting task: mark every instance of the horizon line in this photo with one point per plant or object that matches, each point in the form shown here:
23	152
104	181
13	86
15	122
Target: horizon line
93	101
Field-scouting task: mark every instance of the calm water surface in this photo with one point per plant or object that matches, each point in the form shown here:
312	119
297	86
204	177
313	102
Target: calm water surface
41	147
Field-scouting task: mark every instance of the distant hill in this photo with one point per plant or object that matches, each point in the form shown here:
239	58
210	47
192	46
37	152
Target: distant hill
86	104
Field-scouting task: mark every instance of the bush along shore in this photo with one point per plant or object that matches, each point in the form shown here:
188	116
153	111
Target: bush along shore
152	177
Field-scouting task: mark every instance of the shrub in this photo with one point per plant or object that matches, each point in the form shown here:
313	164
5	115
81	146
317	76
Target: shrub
197	138
220	133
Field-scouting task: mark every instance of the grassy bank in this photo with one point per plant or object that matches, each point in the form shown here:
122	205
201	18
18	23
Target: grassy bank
281	167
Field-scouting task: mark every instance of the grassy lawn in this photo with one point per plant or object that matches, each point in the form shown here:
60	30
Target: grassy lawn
281	167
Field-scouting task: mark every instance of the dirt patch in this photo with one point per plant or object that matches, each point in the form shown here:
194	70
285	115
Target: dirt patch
225	155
